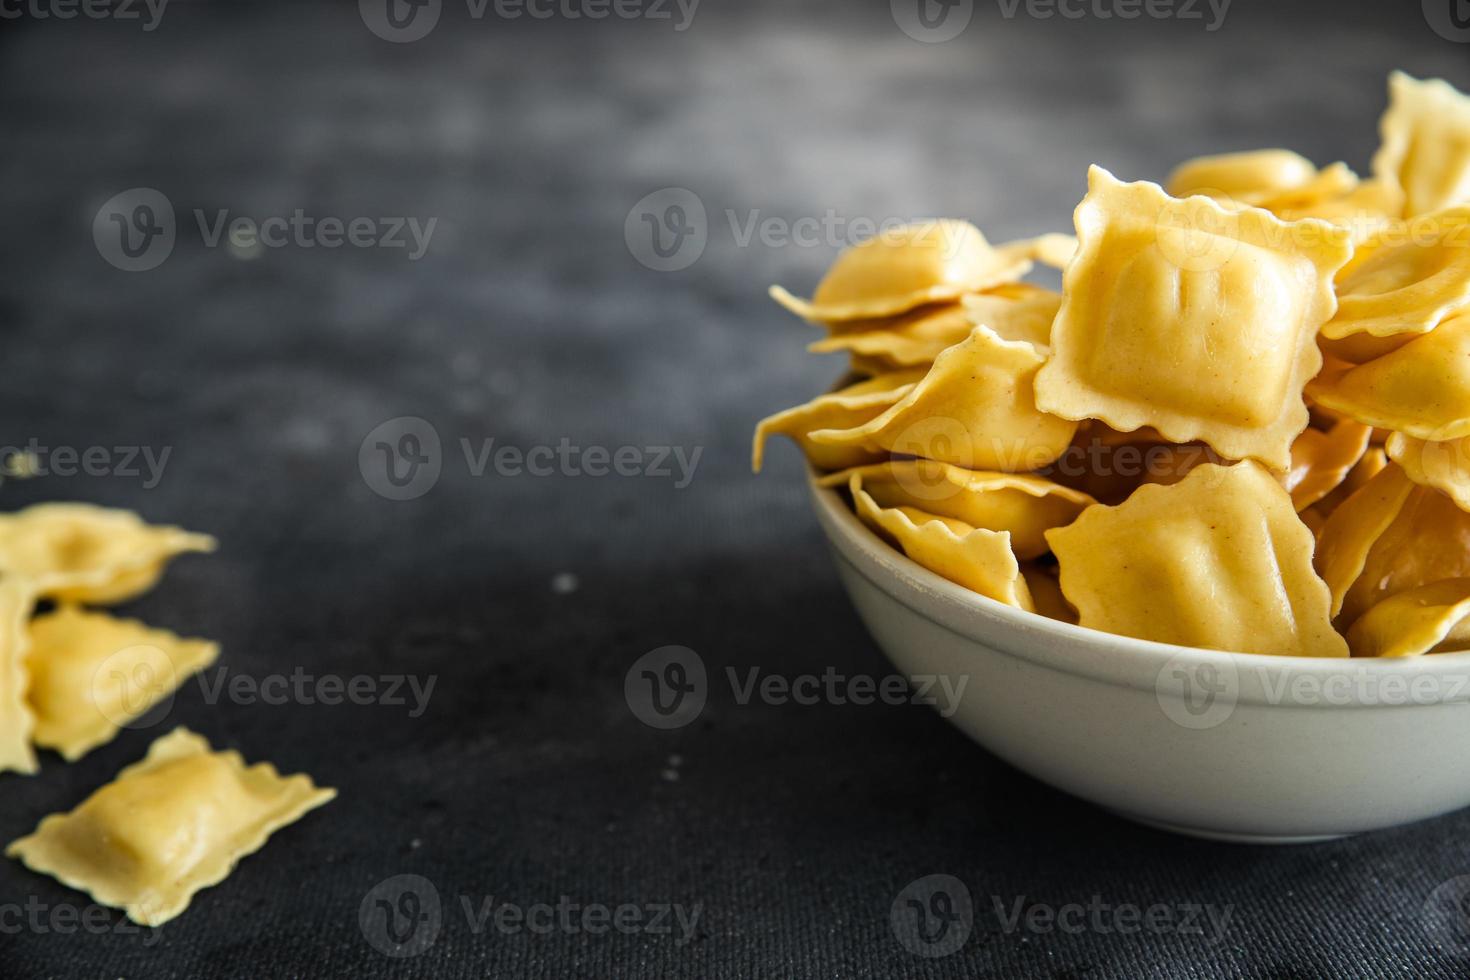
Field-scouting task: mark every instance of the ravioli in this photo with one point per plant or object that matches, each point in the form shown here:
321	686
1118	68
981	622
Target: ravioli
1015	312
853	405
167	827
1022	505
1218	561
1252	177
1443	465
901	269
1321	460
1422	620
978	559
1425	149
82	553
17	721
1390	536
92	673
975	408
1235	299
1421	389
1401	284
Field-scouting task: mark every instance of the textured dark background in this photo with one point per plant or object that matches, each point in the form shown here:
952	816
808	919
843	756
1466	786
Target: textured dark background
529	320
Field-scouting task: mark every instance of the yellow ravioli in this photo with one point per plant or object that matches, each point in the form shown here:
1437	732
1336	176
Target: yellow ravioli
167	827
82	553
92	673
978	559
1218	561
898	270
975	408
1046	593
1443	465
1024	506
17	599
1402	282
1421	389
1253	177
851	406
1391	536
1321	461
1427	619
1191	318
1425	149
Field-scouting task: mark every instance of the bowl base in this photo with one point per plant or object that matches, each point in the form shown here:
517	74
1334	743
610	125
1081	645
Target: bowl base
1227	836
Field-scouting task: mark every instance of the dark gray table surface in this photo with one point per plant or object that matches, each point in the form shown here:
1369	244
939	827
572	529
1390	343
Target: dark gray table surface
529	320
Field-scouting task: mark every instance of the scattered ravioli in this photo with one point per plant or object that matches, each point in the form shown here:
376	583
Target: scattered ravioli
1218	561
82	553
92	673
851	406
1421	389
1391	536
17	599
167	827
1401	283
1321	460
1024	506
980	560
1425	149
901	269
1253	177
1191	318
975	408
1429	619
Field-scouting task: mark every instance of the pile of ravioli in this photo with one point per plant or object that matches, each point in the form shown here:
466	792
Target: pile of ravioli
72	677
1242	425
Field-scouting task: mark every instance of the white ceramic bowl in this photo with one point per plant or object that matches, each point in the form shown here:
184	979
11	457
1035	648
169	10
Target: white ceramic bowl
1238	747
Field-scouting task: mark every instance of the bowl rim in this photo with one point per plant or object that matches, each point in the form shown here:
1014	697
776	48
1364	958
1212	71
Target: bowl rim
1123	660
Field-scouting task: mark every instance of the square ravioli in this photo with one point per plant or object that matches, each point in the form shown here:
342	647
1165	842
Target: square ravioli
167	827
1218	560
17	599
1191	318
1425	153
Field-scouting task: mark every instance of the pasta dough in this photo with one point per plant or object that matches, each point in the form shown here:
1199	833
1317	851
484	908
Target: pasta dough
92	673
975	408
167	827
979	559
898	270
16	718
1234	297
1218	560
1425	153
81	553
